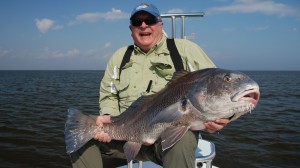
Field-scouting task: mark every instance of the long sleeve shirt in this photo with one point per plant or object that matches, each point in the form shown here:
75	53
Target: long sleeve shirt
118	92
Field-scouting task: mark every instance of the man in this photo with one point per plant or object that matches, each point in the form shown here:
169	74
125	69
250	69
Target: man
149	69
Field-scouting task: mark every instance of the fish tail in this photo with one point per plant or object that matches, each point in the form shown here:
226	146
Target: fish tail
79	129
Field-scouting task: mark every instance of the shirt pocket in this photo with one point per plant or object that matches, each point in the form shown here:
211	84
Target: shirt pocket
158	86
163	68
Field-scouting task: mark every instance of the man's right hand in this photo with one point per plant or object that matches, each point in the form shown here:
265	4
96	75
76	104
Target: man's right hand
102	136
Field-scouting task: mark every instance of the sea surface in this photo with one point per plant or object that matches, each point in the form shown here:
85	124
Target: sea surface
33	108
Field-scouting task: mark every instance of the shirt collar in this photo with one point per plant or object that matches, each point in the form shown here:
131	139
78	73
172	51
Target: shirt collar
158	48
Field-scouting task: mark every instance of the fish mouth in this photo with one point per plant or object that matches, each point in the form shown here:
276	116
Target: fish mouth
231	117
250	95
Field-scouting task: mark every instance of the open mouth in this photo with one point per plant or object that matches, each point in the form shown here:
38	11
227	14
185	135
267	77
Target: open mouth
145	34
250	95
229	118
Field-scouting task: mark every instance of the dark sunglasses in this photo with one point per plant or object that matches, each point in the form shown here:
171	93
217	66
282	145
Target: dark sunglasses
149	21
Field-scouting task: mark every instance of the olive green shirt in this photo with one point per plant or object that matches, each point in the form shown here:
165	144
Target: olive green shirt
155	65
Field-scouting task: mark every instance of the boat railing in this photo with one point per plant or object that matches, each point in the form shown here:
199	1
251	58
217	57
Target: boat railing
181	16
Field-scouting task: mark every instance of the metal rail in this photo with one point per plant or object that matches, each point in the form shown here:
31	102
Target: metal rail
173	16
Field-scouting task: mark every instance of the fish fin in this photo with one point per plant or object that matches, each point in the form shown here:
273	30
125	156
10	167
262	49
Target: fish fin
131	149
179	74
167	115
172	135
172	112
79	129
131	111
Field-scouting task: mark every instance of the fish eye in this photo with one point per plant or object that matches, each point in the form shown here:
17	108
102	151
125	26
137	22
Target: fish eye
227	78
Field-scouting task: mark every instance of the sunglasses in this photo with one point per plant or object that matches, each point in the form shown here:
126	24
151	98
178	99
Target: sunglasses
149	21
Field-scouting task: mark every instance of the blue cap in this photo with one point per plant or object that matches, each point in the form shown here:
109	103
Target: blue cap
151	9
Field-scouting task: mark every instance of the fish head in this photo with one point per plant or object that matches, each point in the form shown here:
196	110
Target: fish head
224	94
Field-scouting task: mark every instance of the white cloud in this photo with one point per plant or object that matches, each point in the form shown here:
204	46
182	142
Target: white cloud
4	52
61	54
89	17
44	24
228	29
114	14
72	53
294	29
175	10
268	7
107	45
262	28
58	27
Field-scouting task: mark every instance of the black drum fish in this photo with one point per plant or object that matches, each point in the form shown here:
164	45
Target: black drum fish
189	100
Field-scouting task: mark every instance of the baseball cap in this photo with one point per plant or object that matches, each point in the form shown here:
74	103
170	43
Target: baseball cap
151	9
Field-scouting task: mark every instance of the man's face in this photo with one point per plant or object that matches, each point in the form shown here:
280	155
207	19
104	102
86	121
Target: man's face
146	36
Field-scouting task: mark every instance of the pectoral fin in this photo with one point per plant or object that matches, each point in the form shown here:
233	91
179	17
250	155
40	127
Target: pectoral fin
172	135
131	149
169	114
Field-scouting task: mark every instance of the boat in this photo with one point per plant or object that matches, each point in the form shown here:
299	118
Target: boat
205	153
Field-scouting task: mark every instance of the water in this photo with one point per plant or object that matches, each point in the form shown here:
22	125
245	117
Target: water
33	107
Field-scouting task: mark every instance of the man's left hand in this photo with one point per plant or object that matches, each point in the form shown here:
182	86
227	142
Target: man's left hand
217	125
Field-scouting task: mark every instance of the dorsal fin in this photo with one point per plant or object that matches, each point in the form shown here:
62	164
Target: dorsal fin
177	75
130	112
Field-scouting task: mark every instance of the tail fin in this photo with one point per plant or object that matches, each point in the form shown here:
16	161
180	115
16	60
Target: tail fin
79	129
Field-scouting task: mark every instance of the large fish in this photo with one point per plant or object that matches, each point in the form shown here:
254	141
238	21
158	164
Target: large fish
189	100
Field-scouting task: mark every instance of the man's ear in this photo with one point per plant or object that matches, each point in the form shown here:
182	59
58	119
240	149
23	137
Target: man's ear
162	24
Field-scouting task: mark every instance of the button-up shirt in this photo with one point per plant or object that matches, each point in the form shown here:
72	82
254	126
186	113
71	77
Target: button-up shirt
145	73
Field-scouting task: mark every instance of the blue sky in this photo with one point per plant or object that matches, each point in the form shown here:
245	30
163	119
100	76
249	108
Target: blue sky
83	34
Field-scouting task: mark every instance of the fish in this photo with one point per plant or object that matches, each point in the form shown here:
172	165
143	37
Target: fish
188	101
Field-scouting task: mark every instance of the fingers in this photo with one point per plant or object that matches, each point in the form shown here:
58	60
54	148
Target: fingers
100	120
217	125
222	121
212	127
103	137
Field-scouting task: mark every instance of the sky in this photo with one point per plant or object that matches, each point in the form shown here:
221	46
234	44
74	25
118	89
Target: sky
83	34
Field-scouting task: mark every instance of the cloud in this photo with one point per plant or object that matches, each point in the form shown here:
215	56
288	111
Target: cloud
262	28
58	27
175	10
294	29
91	17
44	24
267	7
107	45
4	52
228	29
61	54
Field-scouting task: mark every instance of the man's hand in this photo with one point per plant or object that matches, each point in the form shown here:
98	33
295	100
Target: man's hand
102	136
217	125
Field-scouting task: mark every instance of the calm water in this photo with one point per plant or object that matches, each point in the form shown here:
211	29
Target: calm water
33	107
